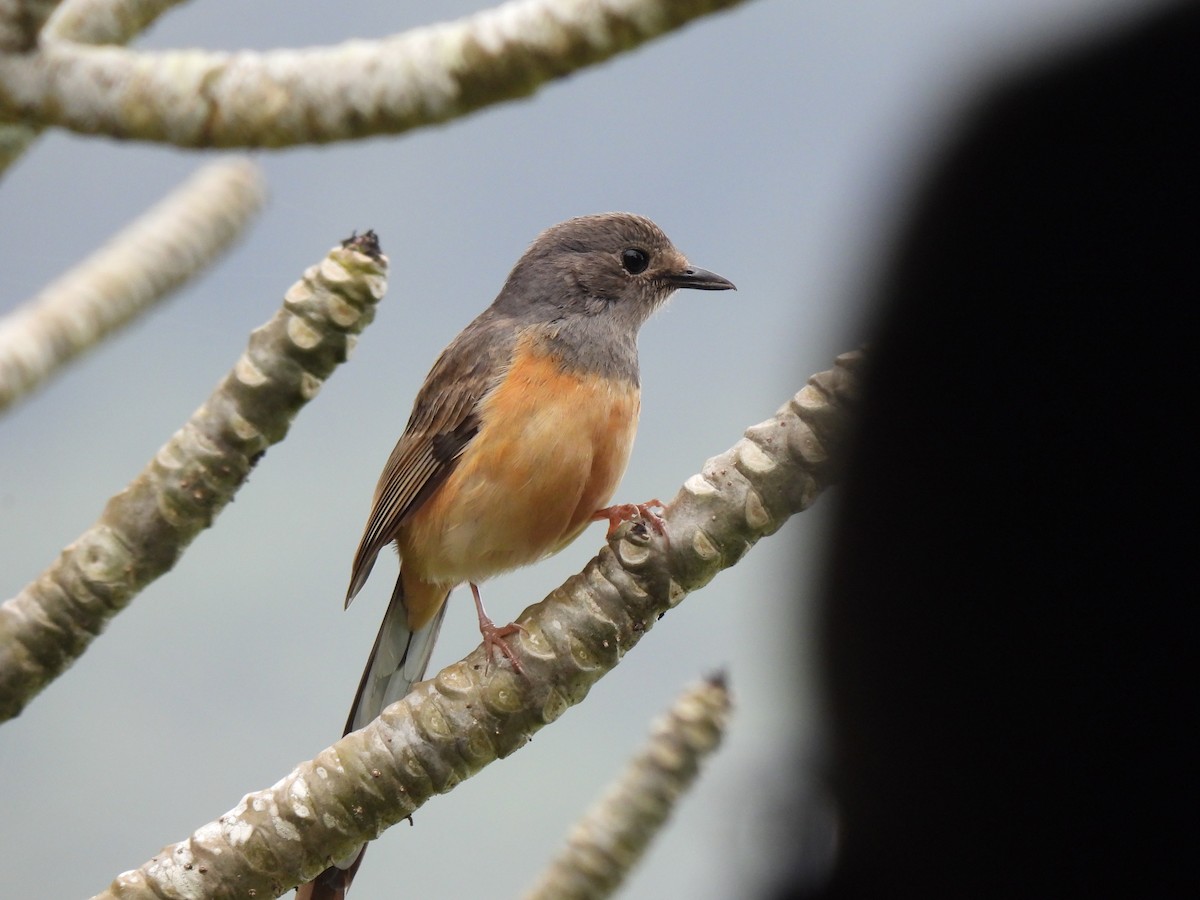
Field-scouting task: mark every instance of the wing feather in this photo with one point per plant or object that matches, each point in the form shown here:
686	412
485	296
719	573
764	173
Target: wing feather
444	420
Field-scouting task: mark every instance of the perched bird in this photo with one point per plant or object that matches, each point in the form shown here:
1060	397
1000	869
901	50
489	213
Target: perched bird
516	441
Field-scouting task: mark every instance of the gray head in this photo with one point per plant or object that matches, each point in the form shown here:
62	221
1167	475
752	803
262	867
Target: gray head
617	266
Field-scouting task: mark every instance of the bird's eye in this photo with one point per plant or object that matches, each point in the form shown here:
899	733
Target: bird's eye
634	261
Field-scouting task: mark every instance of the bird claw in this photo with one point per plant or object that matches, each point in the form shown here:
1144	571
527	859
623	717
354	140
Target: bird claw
627	512
493	639
494	635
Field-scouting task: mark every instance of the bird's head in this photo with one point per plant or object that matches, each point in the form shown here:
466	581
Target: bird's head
615	265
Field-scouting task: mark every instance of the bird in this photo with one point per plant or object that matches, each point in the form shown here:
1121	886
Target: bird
516	442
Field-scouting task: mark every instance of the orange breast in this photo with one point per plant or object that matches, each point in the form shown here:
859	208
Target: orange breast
550	451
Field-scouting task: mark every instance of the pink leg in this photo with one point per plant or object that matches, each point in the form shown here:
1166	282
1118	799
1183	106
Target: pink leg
493	635
625	512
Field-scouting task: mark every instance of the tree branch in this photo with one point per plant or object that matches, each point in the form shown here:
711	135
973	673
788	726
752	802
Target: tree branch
104	21
450	727
356	89
144	529
20	22
85	21
605	845
143	264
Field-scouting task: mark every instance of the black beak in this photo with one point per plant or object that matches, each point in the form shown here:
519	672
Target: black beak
700	280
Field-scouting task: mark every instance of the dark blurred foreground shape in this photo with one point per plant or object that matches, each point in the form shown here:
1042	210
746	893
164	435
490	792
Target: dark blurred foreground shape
1007	650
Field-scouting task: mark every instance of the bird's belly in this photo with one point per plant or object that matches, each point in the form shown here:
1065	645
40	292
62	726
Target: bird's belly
550	451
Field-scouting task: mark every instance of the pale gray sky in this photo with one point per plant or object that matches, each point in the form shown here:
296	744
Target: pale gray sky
774	144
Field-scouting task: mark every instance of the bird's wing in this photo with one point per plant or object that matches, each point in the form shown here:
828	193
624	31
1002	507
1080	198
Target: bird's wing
444	420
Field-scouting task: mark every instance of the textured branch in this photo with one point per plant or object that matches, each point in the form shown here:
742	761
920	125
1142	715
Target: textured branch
83	21
144	529
453	725
361	88
605	845
20	22
142	265
105	21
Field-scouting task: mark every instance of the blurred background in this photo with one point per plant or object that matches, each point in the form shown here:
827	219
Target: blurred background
775	144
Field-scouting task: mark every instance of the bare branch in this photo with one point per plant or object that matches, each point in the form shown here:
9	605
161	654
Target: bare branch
144	529
452	726
604	846
20	22
356	89
84	21
105	21
143	264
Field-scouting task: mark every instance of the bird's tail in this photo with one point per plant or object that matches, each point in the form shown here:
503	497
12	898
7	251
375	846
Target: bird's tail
333	883
397	662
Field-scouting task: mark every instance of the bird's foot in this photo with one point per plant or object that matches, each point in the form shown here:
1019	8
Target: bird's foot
494	635
493	639
627	512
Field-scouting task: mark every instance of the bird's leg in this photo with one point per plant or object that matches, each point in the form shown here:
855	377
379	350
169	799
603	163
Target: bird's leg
493	634
625	512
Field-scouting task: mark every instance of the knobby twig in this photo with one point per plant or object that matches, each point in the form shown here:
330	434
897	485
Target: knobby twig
450	727
360	88
607	842
143	264
144	529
